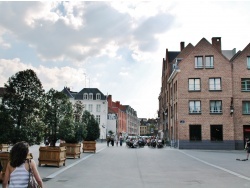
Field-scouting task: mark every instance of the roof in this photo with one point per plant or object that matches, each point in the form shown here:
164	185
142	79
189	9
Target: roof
79	95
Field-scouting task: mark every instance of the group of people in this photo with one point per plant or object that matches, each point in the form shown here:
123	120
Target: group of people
111	139
17	170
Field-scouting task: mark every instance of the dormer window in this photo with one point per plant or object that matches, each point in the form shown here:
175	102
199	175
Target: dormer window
98	96
91	96
85	96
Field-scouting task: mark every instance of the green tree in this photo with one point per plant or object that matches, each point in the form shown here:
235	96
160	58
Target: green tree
72	128
58	111
92	126
22	109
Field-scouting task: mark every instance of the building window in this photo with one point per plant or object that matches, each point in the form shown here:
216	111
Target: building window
216	133
194	107
215	107
91	96
198	62
90	107
214	84
194	84
98	108
195	132
85	96
248	62
246	107
98	119
98	96
209	62
245	84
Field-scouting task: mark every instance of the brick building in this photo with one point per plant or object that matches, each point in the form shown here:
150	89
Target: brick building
127	120
204	101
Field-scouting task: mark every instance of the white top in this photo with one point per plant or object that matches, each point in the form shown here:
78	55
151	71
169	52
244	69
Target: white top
19	177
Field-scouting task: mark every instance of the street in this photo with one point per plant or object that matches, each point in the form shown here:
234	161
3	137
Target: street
123	167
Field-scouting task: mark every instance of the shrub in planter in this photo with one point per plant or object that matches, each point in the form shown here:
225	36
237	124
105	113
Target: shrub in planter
93	132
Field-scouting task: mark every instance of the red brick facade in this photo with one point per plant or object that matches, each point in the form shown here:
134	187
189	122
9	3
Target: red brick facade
197	97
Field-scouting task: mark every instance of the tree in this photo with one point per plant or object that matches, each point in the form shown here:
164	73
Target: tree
92	126
72	128
58	111
22	109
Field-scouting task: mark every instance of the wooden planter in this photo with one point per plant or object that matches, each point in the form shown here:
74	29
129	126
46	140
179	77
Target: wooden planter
4	159
4	147
89	146
72	150
52	156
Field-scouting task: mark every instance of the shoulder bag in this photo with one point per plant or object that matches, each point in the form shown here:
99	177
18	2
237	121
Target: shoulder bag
32	181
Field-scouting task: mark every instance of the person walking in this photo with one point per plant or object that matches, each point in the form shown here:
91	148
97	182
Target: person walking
247	147
17	170
121	139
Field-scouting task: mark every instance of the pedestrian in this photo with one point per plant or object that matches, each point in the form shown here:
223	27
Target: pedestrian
108	140
121	139
247	147
17	170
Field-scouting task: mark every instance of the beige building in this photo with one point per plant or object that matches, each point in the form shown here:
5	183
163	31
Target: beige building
204	101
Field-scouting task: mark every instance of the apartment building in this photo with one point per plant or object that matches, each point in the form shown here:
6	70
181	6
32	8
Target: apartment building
95	102
127	120
204	98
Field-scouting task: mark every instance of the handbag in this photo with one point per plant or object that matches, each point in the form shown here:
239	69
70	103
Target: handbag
32	181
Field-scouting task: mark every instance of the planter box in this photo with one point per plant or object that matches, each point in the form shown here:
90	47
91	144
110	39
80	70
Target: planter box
4	159
72	150
52	156
89	146
4	147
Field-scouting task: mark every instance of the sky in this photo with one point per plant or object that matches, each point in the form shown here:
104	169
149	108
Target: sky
115	46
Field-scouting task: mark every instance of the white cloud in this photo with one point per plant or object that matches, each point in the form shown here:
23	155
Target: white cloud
118	45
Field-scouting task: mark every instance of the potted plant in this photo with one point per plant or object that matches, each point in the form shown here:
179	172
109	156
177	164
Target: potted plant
57	109
73	131
93	132
21	112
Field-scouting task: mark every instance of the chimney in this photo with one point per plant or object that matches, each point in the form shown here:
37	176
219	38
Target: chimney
216	42
182	45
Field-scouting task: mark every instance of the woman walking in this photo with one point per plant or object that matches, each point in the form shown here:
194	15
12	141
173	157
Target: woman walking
17	170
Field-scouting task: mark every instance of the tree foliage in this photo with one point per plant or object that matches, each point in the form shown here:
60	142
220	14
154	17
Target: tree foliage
92	126
58	111
22	109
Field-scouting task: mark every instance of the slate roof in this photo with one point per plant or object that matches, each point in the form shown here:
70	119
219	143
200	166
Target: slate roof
79	95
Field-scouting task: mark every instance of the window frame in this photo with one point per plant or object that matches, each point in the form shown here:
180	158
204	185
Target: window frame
211	62
98	119
246	83
196	107
197	63
90	96
214	84
194	84
98	108
85	96
217	111
98	96
90	107
245	107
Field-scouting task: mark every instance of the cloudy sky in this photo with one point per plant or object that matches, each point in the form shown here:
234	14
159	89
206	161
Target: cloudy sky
115	46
